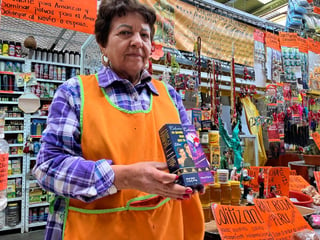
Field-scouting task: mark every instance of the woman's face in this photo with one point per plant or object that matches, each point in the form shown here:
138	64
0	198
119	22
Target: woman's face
129	45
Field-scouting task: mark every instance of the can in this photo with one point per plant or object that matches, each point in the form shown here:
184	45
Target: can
9	66
2	66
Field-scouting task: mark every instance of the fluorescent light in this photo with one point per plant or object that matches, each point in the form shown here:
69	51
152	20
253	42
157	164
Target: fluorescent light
265	1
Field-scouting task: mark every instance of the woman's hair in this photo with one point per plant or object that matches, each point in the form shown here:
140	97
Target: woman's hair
118	8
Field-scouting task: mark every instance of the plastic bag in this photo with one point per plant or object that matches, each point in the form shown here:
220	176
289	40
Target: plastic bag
305	235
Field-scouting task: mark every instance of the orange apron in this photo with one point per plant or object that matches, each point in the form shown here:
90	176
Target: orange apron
126	137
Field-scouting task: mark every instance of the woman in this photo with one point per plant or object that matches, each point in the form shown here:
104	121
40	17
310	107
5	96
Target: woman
101	153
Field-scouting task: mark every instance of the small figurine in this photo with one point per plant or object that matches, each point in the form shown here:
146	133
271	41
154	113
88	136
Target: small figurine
261	183
234	176
250	197
245	182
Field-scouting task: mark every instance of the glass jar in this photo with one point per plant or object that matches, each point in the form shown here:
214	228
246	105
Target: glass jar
205	198
215	193
235	193
225	193
207	212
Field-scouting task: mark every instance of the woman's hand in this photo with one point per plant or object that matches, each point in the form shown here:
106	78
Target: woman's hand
151	178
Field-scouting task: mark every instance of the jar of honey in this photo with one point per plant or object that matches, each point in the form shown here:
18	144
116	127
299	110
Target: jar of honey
205	198
235	193
225	193
207	212
215	193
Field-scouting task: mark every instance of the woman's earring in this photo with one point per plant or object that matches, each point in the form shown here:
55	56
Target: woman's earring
104	60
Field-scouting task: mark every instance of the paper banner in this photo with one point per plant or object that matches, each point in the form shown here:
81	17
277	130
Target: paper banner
281	217
272	41
317	177
279	177
296	183
240	223
316	139
288	39
179	24
4	159
70	14
254	172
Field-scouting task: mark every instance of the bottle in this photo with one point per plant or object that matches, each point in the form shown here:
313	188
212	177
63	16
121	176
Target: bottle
44	55
235	193
5	48
77	58
18	49
4	153
71	58
38	54
12	48
66	57
0	47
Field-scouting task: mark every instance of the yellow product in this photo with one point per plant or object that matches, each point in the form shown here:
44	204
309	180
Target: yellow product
205	198
207	212
214	138
225	193
215	193
235	193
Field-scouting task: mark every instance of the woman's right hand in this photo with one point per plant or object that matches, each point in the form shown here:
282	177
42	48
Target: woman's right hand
151	178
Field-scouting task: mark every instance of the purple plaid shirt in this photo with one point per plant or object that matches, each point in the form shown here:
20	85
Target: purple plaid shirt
60	166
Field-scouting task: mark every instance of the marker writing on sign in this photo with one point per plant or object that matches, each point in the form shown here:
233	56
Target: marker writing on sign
232	216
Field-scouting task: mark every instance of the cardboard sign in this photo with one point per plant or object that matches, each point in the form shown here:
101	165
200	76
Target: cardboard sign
317	177
4	159
279	177
316	139
254	172
241	223
70	14
281	217
296	183
293	172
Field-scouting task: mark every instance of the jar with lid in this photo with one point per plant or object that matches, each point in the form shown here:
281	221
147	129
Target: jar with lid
18	49
205	198
225	193
235	193
215	193
207	212
5	48
12	49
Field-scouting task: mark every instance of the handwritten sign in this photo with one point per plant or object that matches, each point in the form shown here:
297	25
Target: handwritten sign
281	217
4	159
272	41
317	177
296	183
70	14
240	222
293	172
316	139
26	78
279	177
254	172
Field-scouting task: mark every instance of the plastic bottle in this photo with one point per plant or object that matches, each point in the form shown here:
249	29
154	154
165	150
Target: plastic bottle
71	58
0	47
77	58
12	49
5	48
4	153
66	57
18	49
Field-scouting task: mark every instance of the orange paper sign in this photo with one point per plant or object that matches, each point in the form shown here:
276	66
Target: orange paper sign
317	177
254	172
70	14
316	138
297	183
293	172
3	170
281	217
279	177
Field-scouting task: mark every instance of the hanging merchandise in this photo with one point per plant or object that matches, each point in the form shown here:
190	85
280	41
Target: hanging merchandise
291	59
234	116
303	49
314	63
259	58
273	61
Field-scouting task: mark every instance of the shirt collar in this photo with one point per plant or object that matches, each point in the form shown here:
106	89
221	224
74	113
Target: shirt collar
107	77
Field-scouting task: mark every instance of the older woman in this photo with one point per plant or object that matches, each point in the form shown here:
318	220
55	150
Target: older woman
101	154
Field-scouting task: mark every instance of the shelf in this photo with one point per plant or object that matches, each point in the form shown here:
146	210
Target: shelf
16	145
9	103
38	117
35	136
33	158
15	155
14	199
33	181
11	92
37	224
42	204
8	73
10	132
14	118
15	176
12	58
56	63
6	228
50	80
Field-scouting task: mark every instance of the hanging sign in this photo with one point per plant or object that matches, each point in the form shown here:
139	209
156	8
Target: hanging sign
297	183
70	14
179	24
4	159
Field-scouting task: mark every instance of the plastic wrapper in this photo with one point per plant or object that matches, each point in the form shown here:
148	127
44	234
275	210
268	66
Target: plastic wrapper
305	235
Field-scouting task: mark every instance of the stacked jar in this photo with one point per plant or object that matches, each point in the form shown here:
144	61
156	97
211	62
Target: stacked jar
206	206
235	193
225	193
215	193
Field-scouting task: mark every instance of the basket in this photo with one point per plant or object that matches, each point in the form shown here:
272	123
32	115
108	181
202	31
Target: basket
303	199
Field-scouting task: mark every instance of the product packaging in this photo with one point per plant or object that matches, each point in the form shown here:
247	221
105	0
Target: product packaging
184	155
